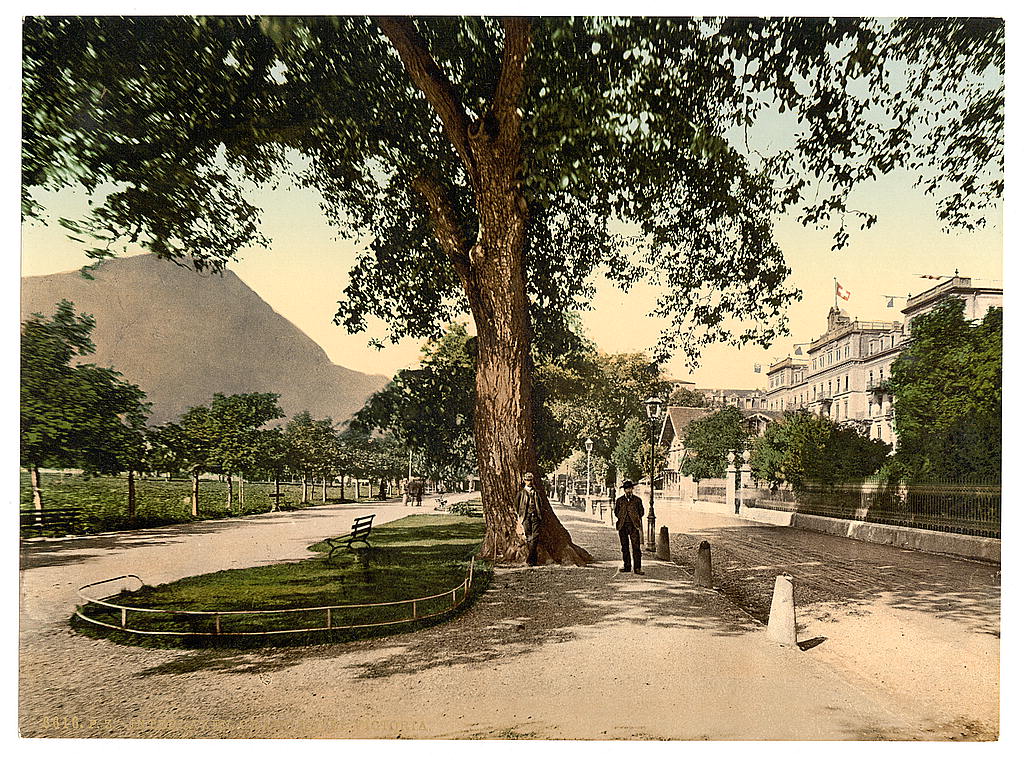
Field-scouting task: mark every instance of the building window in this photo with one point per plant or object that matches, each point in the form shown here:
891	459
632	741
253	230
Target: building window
846	410
871	379
879	430
846	383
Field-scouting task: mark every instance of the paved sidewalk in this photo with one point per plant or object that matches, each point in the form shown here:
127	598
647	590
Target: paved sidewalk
554	652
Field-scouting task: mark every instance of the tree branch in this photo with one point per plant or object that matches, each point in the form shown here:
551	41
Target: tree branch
446	227
429	78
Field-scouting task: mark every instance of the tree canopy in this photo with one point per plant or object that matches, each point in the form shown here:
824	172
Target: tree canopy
650	122
806	448
948	396
709	440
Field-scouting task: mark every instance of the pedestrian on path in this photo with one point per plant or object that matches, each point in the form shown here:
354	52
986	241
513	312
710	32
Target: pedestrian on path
528	507
629	513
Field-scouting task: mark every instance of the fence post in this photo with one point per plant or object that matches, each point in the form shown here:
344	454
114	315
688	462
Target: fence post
414	610
730	484
328	618
124	617
216	624
744	482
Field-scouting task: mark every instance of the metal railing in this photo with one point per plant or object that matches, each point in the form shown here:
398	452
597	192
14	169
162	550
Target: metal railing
973	509
325	614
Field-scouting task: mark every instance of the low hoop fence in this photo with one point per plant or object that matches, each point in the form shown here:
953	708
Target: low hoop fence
138	620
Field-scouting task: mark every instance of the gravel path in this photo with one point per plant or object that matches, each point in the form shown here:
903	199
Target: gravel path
546	653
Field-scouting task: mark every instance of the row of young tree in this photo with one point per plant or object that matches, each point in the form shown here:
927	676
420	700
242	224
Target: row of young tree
80	415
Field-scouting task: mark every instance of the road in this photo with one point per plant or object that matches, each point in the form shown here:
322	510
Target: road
924	628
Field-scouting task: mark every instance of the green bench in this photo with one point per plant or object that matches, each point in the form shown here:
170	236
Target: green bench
361	528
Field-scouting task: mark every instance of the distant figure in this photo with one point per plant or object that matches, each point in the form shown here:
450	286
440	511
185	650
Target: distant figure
529	510
629	512
418	489
404	487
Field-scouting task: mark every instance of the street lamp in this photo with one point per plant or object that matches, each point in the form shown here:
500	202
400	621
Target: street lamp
589	443
653	405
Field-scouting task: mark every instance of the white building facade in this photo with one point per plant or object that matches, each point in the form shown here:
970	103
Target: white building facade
845	370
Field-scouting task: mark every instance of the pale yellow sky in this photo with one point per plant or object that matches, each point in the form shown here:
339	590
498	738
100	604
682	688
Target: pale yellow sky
305	271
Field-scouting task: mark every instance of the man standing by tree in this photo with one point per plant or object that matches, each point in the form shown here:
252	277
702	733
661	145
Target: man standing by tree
629	513
529	509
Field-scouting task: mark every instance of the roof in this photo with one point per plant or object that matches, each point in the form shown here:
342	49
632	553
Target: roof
678	418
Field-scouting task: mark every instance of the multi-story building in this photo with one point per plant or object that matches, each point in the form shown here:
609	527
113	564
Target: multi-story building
845	370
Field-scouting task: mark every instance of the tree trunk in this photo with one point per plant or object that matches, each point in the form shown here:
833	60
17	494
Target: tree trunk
277	491
323	493
241	495
503	421
37	491
131	495
305	488
231	491
195	494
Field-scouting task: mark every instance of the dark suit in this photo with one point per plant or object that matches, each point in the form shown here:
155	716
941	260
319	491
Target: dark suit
629	513
528	507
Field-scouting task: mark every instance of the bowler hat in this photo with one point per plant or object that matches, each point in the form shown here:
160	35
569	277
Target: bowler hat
627	485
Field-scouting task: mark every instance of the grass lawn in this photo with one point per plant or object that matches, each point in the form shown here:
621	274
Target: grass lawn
159	502
416	556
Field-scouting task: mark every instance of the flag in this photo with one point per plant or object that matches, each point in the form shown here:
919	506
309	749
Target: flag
757	368
799	351
890	304
843	293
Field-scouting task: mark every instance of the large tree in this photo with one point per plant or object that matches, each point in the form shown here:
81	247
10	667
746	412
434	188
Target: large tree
75	414
948	396
709	440
492	165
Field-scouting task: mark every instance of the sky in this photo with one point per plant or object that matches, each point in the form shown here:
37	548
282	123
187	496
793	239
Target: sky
304	272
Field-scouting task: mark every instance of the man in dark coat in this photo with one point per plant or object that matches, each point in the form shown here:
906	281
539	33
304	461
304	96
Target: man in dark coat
528	507
629	512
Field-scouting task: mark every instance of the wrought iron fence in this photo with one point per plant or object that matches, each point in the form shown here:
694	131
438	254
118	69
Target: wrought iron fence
277	621
973	509
711	489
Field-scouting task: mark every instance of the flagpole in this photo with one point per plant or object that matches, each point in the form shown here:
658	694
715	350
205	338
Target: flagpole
835	292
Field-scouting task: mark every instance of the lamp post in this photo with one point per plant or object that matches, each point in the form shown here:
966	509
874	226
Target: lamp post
653	405
589	443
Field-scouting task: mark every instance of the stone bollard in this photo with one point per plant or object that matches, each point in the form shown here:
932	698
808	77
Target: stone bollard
782	618
702	571
661	552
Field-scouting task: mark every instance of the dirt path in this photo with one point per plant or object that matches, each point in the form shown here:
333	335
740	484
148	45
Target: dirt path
546	653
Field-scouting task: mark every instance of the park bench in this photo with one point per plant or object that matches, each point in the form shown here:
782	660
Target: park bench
360	531
59	519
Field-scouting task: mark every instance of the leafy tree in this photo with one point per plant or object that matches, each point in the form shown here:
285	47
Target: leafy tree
687	397
492	165
74	414
805	448
430	409
947	396
709	440
598	395
625	455
193	441
310	447
236	420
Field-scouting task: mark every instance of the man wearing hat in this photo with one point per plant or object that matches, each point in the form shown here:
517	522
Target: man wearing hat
629	512
528	507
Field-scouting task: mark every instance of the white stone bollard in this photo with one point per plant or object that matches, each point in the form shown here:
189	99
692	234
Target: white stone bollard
782	618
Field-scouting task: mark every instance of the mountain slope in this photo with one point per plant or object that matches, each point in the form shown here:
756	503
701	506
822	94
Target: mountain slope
183	336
